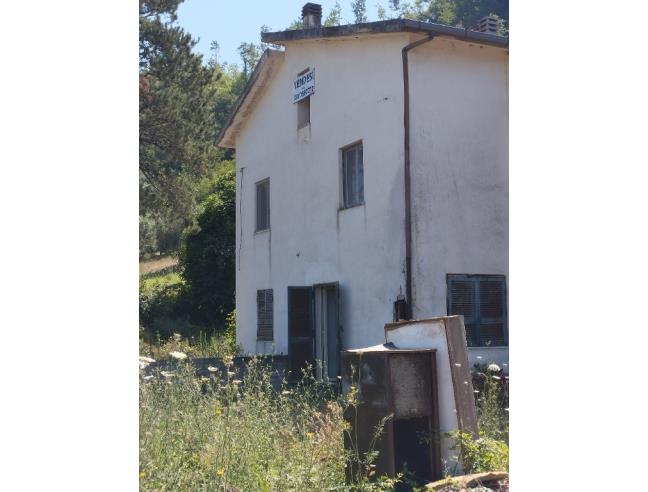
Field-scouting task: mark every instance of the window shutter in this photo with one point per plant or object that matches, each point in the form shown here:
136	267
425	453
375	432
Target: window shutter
492	309
461	300
264	314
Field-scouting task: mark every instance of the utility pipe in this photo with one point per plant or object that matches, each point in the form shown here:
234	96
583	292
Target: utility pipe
408	192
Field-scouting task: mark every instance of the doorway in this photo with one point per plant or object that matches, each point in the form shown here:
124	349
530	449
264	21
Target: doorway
327	330
314	333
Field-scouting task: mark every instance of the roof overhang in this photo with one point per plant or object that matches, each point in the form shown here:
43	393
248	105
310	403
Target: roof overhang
258	81
383	27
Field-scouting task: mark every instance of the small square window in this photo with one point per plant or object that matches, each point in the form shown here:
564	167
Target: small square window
352	176
265	307
263	205
303	113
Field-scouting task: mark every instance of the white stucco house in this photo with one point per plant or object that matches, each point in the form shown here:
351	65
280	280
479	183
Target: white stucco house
372	184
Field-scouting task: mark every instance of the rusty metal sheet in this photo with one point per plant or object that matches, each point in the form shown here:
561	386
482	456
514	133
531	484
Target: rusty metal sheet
411	385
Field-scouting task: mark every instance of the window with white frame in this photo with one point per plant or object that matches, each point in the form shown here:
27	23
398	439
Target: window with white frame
263	205
352	176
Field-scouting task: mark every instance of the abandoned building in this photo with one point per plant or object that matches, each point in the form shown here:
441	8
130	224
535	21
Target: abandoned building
372	186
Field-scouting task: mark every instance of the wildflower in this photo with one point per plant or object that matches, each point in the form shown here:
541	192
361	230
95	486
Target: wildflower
231	374
142	474
309	435
218	411
220	472
506	409
148	378
457	364
167	374
475	391
479	357
144	362
228	360
178	355
212	369
177	337
496	377
236	381
286	392
494	368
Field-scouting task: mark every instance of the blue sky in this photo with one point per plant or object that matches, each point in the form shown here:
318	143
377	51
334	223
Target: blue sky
232	22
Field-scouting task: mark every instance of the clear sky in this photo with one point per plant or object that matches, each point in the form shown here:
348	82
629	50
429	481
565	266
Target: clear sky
232	22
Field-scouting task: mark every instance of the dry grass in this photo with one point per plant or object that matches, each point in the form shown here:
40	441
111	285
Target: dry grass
157	264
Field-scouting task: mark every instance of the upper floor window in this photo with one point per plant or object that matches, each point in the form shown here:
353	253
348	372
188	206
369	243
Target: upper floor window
303	113
303	107
481	299
263	205
352	176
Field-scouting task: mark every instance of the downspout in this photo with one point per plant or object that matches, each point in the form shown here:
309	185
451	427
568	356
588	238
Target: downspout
408	191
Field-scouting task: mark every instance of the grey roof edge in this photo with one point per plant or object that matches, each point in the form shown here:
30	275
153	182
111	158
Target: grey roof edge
246	92
386	26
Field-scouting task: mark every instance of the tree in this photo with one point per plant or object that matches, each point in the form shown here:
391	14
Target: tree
250	54
207	252
359	8
335	16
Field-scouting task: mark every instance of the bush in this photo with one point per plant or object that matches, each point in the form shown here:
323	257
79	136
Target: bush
481	455
207	252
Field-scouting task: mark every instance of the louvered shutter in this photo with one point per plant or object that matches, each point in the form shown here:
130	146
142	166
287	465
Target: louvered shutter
265	314
492	311
461	300
481	299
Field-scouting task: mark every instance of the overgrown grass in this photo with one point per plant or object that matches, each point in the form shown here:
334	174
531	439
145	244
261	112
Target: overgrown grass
233	432
225	433
200	344
489	452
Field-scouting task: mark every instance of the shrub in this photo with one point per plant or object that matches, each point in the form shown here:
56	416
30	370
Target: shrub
207	252
481	455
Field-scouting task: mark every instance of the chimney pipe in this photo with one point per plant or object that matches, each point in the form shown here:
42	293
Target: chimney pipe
312	15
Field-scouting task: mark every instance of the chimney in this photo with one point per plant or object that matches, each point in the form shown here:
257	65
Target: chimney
312	15
489	24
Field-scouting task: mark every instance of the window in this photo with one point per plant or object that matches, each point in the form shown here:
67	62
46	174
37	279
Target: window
263	205
352	176
481	299
264	315
303	113
303	107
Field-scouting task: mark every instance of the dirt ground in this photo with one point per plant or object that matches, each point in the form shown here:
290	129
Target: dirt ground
157	264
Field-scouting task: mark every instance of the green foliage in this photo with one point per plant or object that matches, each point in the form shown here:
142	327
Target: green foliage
480	455
334	18
359	8
490	451
207	251
464	13
235	432
491	402
250	54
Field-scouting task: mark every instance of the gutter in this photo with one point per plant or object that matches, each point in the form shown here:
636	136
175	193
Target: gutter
408	179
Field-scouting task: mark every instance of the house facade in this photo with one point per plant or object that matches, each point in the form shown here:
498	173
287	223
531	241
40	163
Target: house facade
372	185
